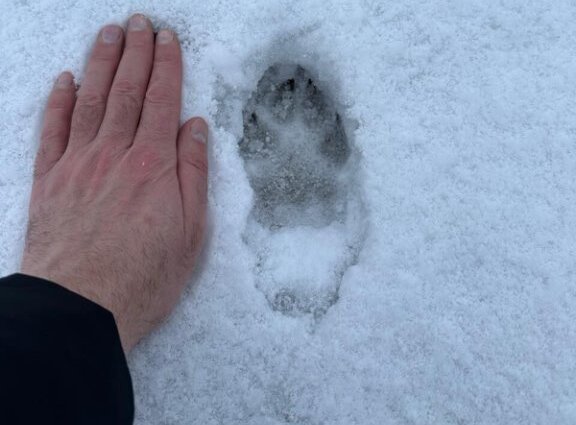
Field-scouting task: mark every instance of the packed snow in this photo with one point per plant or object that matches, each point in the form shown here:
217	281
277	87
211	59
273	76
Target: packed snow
392	233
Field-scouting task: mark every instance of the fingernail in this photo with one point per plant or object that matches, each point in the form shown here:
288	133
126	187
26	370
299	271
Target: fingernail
199	131
64	80
137	23
165	36
111	34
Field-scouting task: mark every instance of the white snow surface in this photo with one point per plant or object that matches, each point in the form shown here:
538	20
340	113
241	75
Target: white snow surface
460	306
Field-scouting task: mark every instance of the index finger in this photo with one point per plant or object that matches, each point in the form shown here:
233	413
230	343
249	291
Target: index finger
160	117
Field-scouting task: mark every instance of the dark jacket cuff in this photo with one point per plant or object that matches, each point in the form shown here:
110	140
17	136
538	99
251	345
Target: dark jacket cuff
61	359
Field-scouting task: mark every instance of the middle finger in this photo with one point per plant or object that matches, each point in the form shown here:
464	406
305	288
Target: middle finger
130	83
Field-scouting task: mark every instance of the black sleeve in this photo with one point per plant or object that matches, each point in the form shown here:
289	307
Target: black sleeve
61	360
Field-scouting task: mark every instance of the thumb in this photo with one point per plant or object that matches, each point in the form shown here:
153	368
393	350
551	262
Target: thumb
193	176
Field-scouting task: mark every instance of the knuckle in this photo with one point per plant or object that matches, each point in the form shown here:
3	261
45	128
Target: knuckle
123	109
91	99
127	87
85	114
197	162
162	94
106	151
127	99
100	158
59	101
128	108
52	132
82	119
139	41
167	57
169	54
102	56
155	131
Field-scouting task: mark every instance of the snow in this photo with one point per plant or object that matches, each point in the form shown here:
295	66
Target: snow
459	303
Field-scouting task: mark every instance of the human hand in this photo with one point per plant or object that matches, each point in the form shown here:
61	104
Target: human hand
118	203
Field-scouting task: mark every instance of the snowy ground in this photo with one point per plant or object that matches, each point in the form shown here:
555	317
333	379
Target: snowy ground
427	277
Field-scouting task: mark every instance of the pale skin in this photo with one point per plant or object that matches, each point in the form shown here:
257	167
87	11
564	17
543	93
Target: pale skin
118	204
